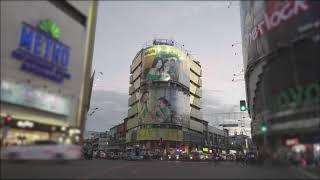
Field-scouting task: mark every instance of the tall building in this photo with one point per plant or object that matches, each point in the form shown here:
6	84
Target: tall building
165	98
46	55
280	41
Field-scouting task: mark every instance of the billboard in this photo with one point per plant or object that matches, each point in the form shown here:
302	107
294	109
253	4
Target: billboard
157	133
165	63
165	105
266	25
229	125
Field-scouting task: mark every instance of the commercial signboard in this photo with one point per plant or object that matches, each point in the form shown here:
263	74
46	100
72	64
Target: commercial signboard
229	125
157	133
165	63
266	25
41	52
166	105
29	96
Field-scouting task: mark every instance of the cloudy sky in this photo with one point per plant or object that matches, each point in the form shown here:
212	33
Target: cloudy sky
208	29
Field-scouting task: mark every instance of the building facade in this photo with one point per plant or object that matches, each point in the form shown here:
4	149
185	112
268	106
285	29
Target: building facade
281	57
46	54
241	143
165	98
216	139
118	137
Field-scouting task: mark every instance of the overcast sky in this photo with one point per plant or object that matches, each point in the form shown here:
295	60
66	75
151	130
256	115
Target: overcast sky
208	29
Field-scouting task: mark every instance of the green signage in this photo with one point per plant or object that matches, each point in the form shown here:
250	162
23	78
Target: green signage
48	26
298	96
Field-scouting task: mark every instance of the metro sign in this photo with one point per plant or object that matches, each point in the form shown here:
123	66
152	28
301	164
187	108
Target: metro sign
42	53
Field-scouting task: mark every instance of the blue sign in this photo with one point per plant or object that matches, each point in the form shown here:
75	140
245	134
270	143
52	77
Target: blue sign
42	55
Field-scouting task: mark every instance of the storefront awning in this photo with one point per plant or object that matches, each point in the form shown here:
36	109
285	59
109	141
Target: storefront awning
37	119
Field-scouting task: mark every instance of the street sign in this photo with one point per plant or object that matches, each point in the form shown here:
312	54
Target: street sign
229	125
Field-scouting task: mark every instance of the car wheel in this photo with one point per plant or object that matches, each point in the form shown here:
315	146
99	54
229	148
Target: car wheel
60	158
13	156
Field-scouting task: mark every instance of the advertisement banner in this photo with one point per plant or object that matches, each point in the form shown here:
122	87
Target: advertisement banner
35	98
266	25
165	63
157	133
165	105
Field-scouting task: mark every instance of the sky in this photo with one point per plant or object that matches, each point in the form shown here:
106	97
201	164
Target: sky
208	29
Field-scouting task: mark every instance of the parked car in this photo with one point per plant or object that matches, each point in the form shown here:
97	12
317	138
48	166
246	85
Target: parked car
42	150
197	155
231	157
95	154
114	155
135	153
102	154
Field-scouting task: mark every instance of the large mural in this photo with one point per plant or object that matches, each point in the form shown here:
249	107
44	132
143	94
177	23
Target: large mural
164	106
165	63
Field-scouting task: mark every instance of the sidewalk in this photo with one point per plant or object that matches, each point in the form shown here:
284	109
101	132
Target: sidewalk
312	172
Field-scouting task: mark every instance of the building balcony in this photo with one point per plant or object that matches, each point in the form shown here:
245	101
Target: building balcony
197	102
132	111
131	89
132	99
131	79
196	113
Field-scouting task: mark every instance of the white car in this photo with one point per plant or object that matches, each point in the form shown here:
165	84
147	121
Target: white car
42	150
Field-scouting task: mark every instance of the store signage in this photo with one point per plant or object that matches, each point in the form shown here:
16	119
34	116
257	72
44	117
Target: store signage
32	97
155	133
229	125
275	18
309	94
291	142
42	53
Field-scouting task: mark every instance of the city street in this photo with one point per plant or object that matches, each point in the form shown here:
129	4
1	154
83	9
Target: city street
145	169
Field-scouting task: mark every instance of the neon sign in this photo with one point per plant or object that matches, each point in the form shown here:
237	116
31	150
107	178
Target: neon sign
41	53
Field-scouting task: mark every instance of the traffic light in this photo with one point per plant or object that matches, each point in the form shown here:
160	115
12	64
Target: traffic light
243	106
264	127
7	120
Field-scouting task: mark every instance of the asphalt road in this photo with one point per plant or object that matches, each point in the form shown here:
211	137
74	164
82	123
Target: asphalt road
90	169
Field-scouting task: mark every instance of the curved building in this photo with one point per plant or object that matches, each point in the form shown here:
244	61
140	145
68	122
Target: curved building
165	98
281	57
